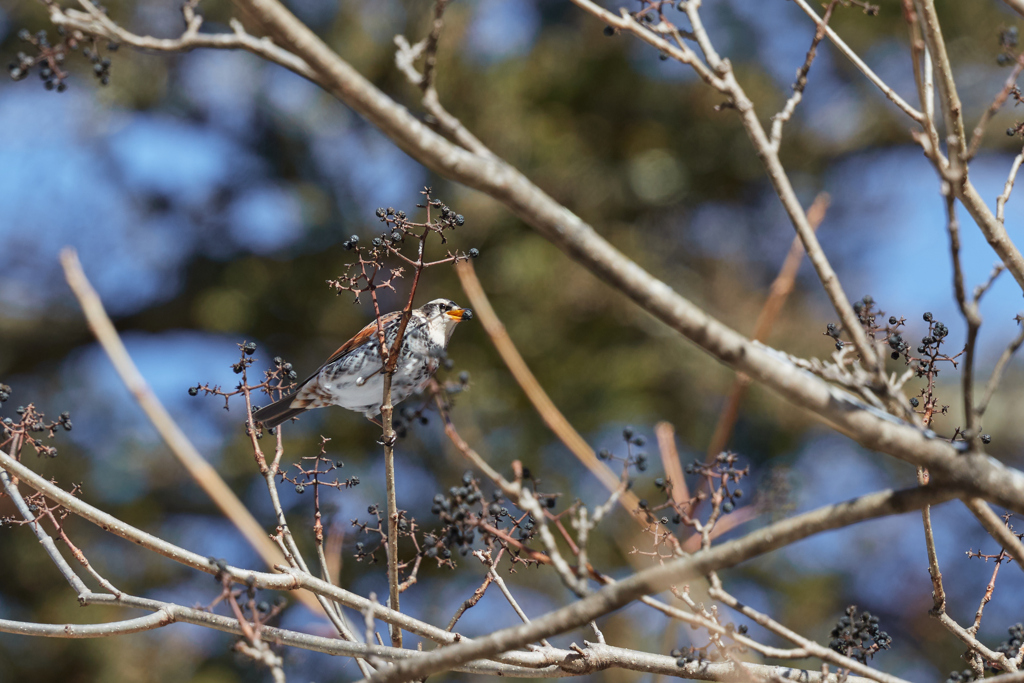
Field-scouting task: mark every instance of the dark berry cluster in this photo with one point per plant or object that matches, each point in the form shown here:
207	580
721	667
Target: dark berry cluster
858	637
400	234
631	459
467	518
874	323
317	470
456	511
965	676
50	57
100	65
1011	647
718	484
30	422
276	382
244	600
462	510
923	360
687	655
929	347
724	470
284	368
712	652
926	365
1008	38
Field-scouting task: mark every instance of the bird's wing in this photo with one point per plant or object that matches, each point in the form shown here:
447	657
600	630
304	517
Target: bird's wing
364	335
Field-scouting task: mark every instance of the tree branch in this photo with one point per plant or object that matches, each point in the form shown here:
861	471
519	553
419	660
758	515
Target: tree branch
200	470
655	579
96	23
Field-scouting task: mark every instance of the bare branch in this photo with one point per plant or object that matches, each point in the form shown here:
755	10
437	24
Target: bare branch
96	23
780	119
956	174
976	645
951	108
11	489
997	104
778	294
859	63
543	404
725	82
1008	188
660	577
405	59
972	316
581	242
206	476
997	529
812	648
114	628
997	372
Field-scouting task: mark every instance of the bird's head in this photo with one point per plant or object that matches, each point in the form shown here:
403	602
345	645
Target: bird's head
447	312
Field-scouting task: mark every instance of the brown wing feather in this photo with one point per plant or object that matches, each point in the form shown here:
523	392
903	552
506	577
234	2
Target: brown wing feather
362	336
298	401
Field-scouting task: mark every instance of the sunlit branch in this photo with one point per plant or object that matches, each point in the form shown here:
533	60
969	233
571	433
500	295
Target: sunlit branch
861	66
93	22
1000	368
660	577
1008	187
181	446
812	648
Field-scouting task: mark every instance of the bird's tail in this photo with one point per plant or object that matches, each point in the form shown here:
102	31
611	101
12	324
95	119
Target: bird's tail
279	411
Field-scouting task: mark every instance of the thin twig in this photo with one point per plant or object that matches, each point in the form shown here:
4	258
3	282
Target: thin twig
405	57
95	23
976	645
813	649
659	577
106	630
671	462
1008	188
997	529
780	119
859	63
206	476
49	547
938	592
987	597
543	404
778	294
969	310
997	104
1000	368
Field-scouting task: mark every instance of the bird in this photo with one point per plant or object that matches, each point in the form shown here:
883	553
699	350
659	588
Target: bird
353	376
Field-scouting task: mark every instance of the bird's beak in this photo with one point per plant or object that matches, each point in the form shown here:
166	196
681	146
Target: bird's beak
460	314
